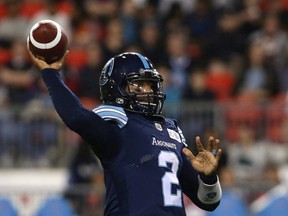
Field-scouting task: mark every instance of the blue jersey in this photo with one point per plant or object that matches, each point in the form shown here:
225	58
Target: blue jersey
145	171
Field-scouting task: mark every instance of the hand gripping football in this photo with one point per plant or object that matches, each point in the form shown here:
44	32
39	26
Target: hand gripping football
47	41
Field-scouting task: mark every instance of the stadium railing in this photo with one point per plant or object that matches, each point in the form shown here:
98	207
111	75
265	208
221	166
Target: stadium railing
37	144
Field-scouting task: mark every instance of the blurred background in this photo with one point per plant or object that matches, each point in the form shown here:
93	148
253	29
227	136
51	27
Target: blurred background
225	64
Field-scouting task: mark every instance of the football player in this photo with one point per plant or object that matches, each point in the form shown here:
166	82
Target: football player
147	167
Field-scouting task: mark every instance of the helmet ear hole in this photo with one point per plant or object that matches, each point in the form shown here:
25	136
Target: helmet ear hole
111	83
120	101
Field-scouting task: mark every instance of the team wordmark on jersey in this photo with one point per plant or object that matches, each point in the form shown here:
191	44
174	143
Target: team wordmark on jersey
163	143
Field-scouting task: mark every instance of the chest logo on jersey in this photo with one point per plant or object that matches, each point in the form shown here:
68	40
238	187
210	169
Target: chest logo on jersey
174	135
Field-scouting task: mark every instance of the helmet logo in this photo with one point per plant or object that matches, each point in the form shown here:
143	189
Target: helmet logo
106	72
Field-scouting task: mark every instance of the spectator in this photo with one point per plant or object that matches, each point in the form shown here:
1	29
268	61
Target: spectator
228	41
148	9
271	176
166	5
274	199
88	87
202	21
128	16
220	80
197	98
197	87
258	80
86	173
283	79
52	12
173	96
114	38
247	155
13	26
101	9
151	40
17	75
274	41
178	58
174	19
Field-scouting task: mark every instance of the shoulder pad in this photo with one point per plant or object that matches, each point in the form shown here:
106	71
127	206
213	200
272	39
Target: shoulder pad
112	113
171	122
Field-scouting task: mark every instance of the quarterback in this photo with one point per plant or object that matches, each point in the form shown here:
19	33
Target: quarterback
147	165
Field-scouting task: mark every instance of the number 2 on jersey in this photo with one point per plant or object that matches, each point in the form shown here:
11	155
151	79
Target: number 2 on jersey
170	178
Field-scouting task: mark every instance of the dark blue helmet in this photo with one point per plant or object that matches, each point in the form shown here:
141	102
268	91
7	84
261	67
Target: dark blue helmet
122	83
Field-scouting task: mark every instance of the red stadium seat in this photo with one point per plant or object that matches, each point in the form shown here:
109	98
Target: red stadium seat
28	9
238	113
222	92
76	58
5	55
3	10
275	117
66	7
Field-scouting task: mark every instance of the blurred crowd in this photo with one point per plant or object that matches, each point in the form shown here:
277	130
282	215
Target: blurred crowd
207	50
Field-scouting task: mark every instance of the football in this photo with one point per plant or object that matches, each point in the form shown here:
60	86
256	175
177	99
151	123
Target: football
47	40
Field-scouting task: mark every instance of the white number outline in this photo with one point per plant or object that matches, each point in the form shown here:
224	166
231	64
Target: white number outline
170	178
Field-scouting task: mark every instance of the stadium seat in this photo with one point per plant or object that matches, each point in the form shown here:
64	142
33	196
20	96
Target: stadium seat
223	91
239	113
7	208
278	206
76	58
30	9
56	206
65	7
3	10
5	56
275	116
231	204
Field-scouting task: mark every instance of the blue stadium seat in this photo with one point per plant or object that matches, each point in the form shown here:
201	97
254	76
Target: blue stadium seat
56	206
278	206
7	208
231	204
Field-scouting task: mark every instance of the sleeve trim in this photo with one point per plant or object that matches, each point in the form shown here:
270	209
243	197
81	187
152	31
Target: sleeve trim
112	113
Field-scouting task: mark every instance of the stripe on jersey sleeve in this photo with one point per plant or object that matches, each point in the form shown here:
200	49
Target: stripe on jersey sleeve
112	113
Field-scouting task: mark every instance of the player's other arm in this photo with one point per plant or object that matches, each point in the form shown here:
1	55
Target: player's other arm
198	176
203	191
